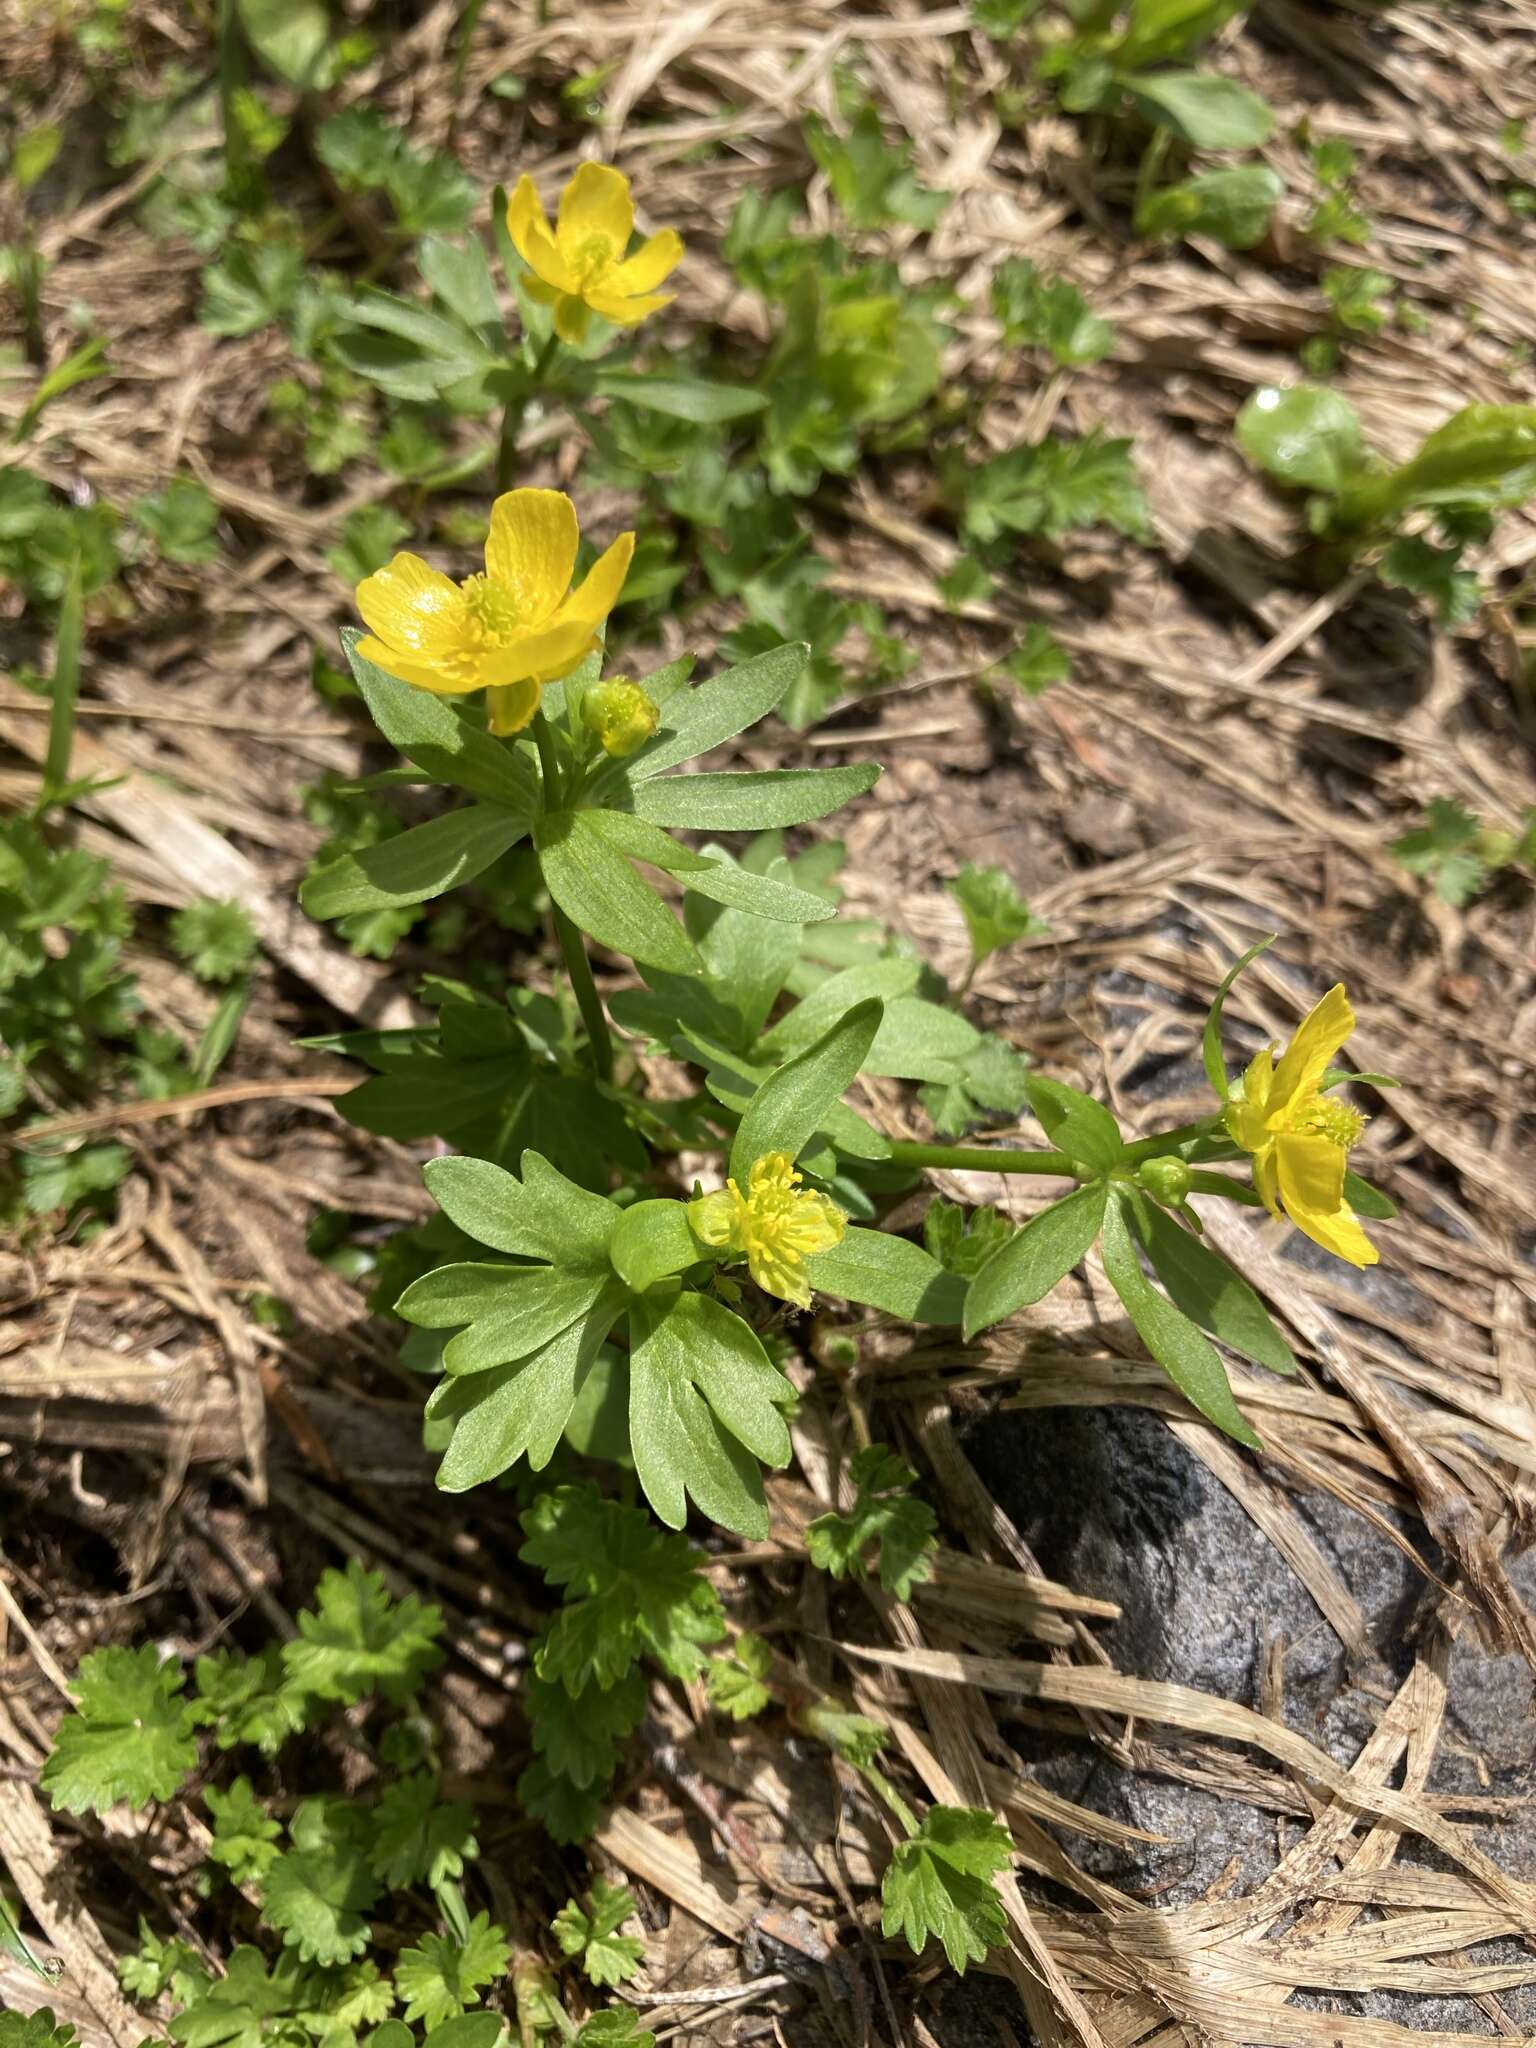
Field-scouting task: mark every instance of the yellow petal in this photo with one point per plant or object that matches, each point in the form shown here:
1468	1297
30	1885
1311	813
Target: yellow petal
598	591
712	1217
412	606
595	205
420	673
624	311
528	226
1258	1077
1340	1234
531	550
546	655
779	1277
509	707
1318	1037
820	1224
542	294
571	321
657	257
1311	1174
1266	1178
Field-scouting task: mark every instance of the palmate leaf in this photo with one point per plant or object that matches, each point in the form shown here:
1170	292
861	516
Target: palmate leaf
940	1884
568	1812
418	1836
607	1957
35	2030
440	1978
244	1836
631	1589
886	1513
736	1680
357	1640
249	1699
520	1409
578	1734
233	2011
318	1900
130	1739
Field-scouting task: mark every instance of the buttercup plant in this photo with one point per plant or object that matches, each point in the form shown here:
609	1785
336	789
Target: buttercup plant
693	1398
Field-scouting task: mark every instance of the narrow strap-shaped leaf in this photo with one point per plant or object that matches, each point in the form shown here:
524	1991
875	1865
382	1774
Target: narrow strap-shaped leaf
723	882
744	802
792	1105
833	998
681	398
1205	1287
416	865
1210	1047
1367	1200
715	711
447	339
1187	1356
428	730
1029	1264
889	1273
629	834
1075	1123
600	893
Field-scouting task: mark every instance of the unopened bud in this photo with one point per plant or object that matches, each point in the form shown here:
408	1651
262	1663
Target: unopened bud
621	714
1166	1179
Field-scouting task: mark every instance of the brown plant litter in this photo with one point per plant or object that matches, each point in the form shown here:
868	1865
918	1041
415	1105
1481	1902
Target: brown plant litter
1232	756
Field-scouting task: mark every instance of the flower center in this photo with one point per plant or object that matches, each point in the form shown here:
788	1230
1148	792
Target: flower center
593	255
1321	1117
495	617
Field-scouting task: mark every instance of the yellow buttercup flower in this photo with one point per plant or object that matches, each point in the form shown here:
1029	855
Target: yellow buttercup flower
509	631
776	1225
1298	1136
581	267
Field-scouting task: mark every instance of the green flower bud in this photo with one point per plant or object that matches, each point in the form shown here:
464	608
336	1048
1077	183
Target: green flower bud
1166	1180
621	714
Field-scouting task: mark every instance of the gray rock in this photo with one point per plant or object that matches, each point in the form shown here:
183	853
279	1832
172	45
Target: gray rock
1114	1505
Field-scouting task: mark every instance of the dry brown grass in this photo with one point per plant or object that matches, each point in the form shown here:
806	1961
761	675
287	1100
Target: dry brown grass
1232	756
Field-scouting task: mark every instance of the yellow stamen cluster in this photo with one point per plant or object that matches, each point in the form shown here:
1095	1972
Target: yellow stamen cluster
1322	1117
775	1226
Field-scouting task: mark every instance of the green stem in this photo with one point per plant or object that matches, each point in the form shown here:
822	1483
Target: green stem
549	761
588	1001
512	415
1168	1141
984	1159
573	947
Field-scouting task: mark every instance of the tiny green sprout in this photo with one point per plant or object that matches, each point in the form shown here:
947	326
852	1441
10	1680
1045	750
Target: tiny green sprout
621	715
